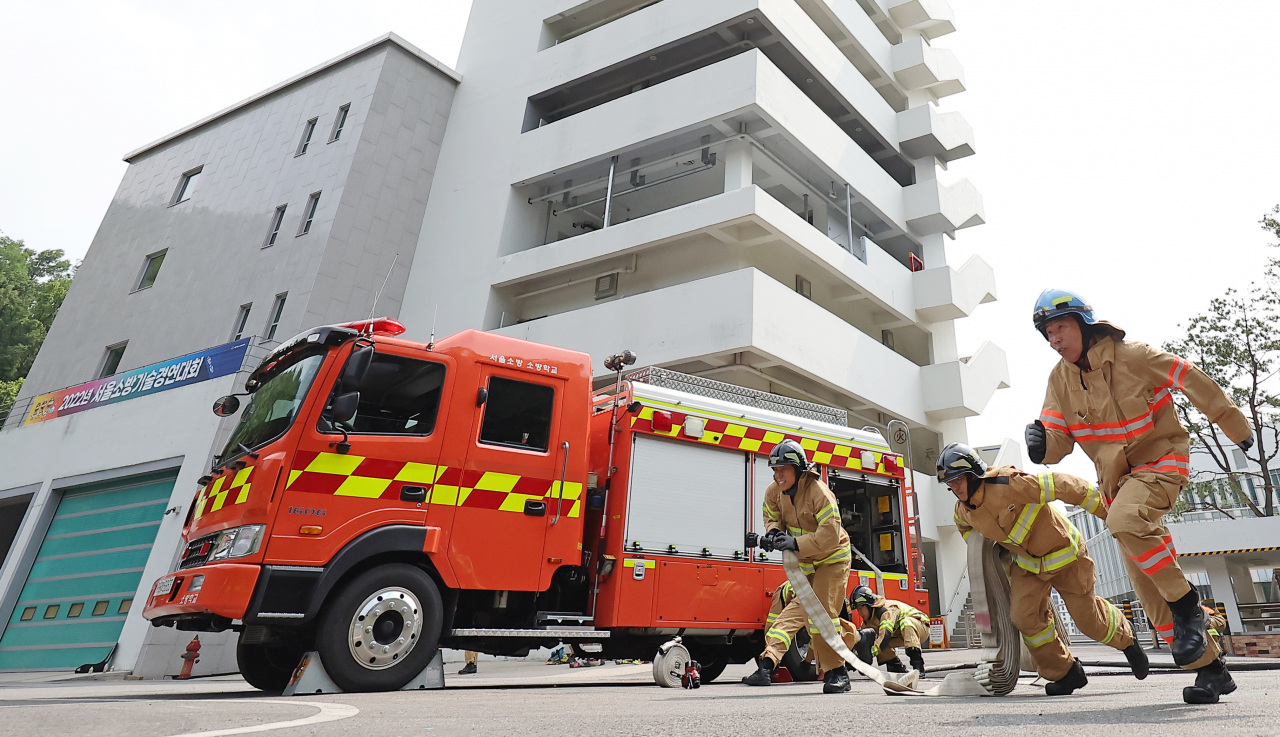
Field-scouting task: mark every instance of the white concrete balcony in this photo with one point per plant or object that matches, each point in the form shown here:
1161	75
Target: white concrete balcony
856	35
932	18
933	208
945	293
962	388
745	312
923	131
919	66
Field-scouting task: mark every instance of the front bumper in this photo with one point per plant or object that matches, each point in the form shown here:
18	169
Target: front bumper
226	592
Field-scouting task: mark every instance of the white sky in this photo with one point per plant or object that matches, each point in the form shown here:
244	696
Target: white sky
1125	149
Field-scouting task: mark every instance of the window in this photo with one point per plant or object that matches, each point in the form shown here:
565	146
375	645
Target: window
272	409
242	318
28	614
100	608
75	609
517	414
125	606
804	287
150	270
309	213
1242	463
111	363
51	611
307	131
186	186
398	396
276	221
276	310
339	122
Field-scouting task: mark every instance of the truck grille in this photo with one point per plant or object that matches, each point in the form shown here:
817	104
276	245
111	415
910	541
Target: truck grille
197	552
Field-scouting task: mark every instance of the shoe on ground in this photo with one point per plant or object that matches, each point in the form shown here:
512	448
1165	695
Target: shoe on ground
1212	681
468	670
917	659
1065	685
896	666
1138	661
836	680
763	675
1190	638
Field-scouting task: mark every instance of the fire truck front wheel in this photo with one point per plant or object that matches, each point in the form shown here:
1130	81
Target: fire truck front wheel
381	629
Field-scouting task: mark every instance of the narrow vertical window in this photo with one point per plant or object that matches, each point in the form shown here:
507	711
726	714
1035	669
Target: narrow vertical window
276	220
150	270
186	185
242	319
307	131
111	361
309	213
339	122
276	311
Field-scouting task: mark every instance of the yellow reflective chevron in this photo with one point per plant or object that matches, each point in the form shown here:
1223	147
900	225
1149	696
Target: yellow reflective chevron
1056	560
1047	492
1092	500
1113	623
1023	524
1043	637
825	513
780	636
769	514
835	557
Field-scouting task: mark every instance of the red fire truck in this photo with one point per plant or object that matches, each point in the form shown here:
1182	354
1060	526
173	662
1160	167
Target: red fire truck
380	498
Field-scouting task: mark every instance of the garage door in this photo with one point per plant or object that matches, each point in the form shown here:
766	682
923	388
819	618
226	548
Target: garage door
81	586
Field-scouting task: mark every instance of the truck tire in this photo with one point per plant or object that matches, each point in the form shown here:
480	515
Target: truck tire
711	669
795	659
381	629
267	667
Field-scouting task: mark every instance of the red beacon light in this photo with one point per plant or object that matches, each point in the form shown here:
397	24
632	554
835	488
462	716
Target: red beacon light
377	326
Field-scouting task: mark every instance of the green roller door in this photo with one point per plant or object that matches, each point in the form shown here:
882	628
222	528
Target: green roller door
82	583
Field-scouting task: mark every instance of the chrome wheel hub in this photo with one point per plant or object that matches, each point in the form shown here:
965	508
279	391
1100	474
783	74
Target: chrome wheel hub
385	628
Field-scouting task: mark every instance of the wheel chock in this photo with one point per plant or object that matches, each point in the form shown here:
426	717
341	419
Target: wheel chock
310	677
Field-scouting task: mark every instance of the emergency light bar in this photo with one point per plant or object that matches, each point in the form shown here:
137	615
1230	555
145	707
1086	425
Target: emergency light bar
376	326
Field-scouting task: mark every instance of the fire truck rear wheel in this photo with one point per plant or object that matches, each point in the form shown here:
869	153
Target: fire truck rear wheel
381	629
267	667
711	669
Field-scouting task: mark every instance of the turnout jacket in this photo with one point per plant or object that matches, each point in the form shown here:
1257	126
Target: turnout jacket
1122	414
892	616
1012	508
812	516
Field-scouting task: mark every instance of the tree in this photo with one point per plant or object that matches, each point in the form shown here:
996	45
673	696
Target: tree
32	287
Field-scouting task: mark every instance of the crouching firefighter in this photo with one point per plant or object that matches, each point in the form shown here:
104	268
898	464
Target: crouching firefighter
1013	509
891	624
1114	398
801	515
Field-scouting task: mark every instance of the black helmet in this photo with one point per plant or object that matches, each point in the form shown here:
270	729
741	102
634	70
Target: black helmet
862	596
788	453
958	459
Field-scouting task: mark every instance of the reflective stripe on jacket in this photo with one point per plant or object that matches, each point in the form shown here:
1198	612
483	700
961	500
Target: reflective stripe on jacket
1122	414
812	516
1013	509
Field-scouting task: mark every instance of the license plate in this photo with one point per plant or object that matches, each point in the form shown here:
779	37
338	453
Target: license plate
164	587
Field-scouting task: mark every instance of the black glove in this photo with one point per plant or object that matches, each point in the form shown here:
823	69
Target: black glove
1246	444
785	542
1036	446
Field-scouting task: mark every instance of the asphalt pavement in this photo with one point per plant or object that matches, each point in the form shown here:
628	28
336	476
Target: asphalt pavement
520	697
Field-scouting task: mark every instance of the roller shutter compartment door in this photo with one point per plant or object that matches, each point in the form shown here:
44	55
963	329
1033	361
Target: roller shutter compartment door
81	586
688	496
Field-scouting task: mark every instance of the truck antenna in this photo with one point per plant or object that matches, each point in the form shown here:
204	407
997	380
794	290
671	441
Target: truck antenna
434	315
369	325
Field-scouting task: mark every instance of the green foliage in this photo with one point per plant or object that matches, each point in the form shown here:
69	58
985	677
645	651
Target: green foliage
32	287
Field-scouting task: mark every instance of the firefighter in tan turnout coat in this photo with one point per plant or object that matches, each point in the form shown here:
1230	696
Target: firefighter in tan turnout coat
1114	398
1013	509
801	515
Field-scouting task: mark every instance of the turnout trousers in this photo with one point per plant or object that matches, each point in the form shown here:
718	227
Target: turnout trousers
1136	519
831	584
1032	613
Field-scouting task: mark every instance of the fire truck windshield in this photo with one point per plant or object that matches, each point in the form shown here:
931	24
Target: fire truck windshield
274	405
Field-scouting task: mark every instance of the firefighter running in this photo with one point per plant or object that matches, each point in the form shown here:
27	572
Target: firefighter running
1013	509
801	515
1113	397
889	625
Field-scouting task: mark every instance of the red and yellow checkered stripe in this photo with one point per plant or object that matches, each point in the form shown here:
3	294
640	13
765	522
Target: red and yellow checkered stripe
375	478
725	434
213	496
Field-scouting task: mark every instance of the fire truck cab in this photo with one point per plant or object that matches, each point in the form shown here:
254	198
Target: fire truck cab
380	498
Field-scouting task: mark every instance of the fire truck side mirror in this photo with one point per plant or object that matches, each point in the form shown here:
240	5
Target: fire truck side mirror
226	406
342	410
357	366
482	396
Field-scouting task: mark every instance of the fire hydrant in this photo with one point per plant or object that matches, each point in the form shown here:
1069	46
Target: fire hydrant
190	658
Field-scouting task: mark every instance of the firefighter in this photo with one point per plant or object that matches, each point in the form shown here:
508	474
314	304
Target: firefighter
1217	622
472	657
801	515
785	594
1013	509
893	624
1113	397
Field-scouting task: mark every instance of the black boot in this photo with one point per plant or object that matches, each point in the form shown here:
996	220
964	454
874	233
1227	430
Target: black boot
836	681
763	676
896	666
1074	679
1212	681
1137	661
917	660
1189	637
866	640
468	669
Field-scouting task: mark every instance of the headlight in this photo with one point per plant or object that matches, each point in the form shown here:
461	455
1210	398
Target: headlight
238	542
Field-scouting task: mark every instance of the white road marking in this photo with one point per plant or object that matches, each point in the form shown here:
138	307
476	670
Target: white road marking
329	712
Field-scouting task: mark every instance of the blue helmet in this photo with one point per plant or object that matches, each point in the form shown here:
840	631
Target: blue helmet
1054	303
